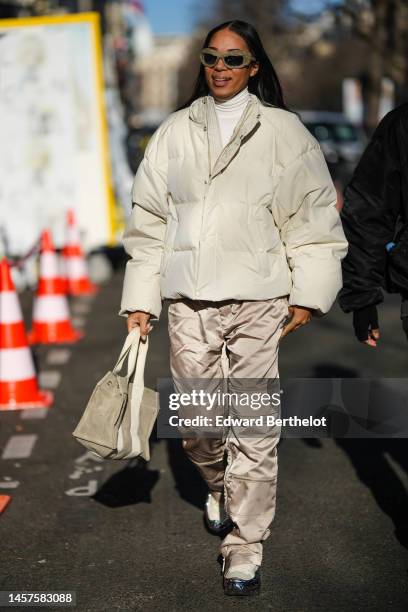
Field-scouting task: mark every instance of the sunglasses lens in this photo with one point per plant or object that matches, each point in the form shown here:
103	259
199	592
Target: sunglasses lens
209	59
234	61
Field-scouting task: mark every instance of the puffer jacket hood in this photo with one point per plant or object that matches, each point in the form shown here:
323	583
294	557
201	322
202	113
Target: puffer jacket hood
253	220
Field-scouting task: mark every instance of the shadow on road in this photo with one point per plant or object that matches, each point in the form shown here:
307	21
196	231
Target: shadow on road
131	485
189	483
380	463
370	459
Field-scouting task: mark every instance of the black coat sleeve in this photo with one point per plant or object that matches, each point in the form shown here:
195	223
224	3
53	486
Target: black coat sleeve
372	206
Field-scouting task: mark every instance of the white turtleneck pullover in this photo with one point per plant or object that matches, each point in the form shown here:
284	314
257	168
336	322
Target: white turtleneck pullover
229	112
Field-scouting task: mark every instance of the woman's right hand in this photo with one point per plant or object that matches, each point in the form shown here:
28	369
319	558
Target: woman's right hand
141	319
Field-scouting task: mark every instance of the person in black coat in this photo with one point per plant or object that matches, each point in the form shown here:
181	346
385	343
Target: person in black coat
375	221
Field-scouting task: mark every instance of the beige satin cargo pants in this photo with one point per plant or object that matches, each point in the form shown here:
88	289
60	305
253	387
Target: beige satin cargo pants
245	468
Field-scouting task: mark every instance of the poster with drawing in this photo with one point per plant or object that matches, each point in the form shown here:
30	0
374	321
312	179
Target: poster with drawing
53	146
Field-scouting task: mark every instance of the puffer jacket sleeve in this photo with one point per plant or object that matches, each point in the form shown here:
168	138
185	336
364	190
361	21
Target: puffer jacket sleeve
144	234
372	203
310	227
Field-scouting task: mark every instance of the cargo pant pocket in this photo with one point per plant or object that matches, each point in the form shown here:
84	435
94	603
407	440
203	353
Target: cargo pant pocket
250	497
251	505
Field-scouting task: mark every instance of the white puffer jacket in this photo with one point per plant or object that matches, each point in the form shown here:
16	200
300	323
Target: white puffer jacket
252	221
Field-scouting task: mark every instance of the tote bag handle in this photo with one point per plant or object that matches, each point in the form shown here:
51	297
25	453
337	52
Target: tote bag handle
135	351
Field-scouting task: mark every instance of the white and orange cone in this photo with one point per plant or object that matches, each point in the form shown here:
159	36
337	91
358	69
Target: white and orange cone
62	271
18	382
51	319
78	282
4	502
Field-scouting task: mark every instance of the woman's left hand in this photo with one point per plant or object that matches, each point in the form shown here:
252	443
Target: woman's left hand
299	316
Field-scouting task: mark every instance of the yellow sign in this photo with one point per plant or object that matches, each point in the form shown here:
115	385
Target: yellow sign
54	151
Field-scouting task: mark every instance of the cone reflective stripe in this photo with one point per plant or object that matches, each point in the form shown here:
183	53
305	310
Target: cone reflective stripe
53	308
12	331
51	280
51	319
18	382
78	282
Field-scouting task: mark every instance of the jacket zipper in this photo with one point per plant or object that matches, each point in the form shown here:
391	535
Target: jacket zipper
207	186
210	177
234	133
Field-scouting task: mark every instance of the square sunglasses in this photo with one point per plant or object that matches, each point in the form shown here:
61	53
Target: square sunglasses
231	59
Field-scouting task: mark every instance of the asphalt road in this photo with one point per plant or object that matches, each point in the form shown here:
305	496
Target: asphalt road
130	536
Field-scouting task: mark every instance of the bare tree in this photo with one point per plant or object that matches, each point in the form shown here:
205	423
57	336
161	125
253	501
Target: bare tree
383	26
270	17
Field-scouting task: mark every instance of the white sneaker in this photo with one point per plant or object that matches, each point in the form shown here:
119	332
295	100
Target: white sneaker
215	508
245	571
215	516
242	580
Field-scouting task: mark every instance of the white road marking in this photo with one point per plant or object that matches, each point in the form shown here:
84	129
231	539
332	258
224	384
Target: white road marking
78	321
87	299
34	413
58	356
84	490
49	379
88	456
79	471
20	446
83	300
11	484
77	474
80	308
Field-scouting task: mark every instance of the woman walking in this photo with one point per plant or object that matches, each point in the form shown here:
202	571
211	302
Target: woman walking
234	222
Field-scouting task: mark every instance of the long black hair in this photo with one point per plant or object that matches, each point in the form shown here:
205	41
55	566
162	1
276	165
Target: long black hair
265	84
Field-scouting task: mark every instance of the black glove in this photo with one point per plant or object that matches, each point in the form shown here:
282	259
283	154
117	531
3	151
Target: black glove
364	320
404	315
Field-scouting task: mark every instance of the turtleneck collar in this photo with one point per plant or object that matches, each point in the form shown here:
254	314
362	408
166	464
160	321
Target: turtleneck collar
233	104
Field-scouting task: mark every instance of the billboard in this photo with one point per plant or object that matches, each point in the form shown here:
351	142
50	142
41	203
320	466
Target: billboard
54	139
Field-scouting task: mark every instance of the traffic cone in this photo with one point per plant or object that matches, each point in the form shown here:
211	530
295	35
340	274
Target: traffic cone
4	502
62	271
18	382
78	282
51	320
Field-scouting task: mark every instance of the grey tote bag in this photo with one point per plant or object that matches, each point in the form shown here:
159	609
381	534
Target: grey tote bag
119	417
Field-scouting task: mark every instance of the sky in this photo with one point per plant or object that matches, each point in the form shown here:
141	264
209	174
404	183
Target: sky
170	17
180	16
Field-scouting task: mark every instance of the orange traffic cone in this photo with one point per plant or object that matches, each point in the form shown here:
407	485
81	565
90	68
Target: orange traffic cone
78	282
62	271
4	502
51	321
18	382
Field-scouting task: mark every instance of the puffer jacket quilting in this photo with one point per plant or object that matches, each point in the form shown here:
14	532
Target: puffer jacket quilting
255	222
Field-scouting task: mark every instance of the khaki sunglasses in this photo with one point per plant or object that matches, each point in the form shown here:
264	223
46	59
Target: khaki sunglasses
231	59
